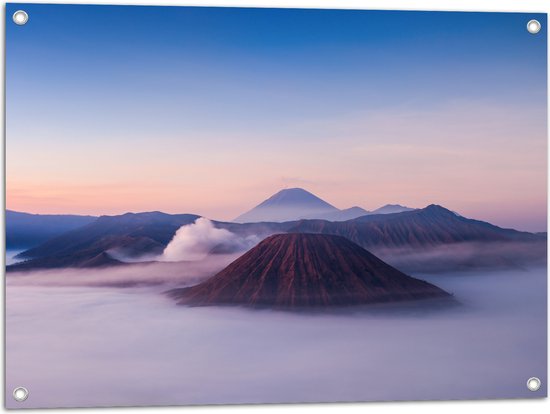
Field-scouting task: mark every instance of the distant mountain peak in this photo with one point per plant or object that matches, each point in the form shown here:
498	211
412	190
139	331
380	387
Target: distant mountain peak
294	190
345	214
141	214
296	196
288	205
437	209
392	208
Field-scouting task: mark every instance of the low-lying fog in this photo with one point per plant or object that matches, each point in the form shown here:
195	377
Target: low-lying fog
127	275
75	345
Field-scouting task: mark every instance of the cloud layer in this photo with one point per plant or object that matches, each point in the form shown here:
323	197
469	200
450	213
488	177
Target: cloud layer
72	346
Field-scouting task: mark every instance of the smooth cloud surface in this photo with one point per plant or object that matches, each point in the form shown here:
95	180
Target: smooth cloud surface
74	345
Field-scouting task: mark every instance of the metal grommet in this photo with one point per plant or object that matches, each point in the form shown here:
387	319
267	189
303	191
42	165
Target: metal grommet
533	384
20	394
533	26
20	17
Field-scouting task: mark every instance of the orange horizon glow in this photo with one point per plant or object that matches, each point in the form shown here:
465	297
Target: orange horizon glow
480	169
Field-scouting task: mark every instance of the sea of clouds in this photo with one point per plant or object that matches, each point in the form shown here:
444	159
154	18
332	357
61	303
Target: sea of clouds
76	345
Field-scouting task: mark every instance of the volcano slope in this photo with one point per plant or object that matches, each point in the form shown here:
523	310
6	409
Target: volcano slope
306	270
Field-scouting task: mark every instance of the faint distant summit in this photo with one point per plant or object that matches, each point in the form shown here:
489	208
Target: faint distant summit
296	204
287	205
297	196
391	209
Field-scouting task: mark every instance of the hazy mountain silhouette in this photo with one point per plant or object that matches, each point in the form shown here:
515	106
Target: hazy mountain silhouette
131	234
24	230
297	204
286	205
346	214
421	230
390	209
306	270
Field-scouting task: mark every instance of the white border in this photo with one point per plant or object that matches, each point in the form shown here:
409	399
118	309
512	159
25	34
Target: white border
449	407
535	6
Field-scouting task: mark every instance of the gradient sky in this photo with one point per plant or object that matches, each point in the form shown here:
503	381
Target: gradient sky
211	110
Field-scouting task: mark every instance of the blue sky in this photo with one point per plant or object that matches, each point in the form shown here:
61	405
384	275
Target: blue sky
178	90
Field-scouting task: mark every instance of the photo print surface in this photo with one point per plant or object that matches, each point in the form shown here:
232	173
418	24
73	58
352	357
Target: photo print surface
250	205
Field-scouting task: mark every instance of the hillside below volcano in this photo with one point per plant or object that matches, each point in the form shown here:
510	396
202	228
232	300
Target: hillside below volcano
423	228
307	270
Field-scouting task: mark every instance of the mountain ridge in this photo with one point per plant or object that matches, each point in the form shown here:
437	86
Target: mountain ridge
26	230
297	203
430	226
153	229
391	208
147	234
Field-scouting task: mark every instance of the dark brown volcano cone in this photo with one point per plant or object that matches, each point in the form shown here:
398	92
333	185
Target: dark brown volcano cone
307	270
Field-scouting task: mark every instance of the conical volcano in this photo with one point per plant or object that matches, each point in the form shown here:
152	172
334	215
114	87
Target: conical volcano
287	205
307	270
